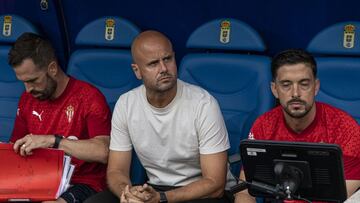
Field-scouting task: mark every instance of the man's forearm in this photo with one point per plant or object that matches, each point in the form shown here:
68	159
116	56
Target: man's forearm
244	197
117	182
203	188
352	186
90	150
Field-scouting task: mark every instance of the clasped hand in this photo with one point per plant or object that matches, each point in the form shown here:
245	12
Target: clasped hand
139	194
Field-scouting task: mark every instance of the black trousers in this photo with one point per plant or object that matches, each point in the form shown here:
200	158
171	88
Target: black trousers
108	197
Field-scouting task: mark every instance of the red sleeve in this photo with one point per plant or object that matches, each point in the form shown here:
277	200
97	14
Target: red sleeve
256	131
351	168
99	116
348	133
20	127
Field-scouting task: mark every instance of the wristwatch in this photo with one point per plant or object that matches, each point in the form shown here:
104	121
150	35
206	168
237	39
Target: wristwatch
58	138
163	198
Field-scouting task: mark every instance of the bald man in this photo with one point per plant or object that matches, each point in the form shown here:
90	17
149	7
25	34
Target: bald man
176	129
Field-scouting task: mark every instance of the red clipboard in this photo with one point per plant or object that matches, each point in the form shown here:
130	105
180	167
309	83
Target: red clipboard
32	178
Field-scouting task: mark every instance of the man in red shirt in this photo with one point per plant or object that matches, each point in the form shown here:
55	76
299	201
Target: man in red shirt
58	111
299	118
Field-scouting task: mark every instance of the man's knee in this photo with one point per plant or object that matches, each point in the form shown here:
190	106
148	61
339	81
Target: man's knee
77	194
104	196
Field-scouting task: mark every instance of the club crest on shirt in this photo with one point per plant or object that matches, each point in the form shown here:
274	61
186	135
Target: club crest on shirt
69	113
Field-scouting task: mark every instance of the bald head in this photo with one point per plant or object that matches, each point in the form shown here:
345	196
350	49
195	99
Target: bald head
147	41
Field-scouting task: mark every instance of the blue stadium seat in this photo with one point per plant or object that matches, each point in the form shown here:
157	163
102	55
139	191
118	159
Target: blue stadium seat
104	60
10	87
105	63
224	64
337	51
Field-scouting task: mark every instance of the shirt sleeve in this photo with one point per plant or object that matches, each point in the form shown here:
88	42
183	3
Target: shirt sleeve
351	167
20	127
99	116
349	134
256	130
120	136
213	136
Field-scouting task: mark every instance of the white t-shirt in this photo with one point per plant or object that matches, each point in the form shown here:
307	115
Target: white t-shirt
169	140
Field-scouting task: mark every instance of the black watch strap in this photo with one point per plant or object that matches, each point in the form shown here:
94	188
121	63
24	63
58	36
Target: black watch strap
163	198
58	138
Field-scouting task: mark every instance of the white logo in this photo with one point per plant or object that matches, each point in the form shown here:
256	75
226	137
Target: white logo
72	137
37	114
251	136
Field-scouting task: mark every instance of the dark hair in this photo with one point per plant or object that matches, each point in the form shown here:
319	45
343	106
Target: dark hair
31	46
292	57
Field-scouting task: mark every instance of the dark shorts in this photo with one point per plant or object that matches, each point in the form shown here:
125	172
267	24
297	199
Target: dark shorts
78	193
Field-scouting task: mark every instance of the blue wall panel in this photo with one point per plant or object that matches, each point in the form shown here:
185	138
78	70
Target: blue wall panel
47	21
282	23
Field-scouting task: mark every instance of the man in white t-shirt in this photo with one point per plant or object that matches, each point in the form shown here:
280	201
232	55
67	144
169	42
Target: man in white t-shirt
175	128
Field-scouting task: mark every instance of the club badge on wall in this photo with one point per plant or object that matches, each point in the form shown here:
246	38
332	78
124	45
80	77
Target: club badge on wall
225	28
349	36
109	29
7	26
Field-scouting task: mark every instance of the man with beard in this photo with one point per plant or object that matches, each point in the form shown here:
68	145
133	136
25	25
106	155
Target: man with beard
299	118
175	128
58	111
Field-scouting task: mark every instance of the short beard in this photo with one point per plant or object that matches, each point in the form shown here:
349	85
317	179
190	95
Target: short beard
298	115
49	91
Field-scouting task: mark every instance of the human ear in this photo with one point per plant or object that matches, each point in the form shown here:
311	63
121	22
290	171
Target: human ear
52	68
317	86
136	70
274	90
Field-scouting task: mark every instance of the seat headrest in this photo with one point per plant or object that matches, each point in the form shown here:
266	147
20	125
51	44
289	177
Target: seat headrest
338	39
13	26
108	31
226	34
